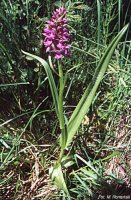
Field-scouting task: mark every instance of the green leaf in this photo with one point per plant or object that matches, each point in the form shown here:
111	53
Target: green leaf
115	153
67	161
50	78
89	173
89	94
83	183
89	164
57	177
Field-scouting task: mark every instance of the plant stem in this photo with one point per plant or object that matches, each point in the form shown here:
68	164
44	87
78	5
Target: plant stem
60	102
61	111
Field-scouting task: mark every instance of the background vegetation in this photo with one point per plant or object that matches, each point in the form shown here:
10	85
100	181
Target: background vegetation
28	125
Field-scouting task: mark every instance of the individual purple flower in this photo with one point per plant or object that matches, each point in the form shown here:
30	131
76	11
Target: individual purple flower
57	35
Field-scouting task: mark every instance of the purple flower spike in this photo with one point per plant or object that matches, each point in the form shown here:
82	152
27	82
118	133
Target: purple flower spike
56	35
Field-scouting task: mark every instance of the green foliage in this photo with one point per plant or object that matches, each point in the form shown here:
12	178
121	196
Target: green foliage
87	98
69	130
50	78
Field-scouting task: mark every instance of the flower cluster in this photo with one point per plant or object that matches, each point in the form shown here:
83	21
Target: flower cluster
57	35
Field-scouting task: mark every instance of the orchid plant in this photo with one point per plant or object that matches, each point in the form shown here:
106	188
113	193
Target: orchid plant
57	44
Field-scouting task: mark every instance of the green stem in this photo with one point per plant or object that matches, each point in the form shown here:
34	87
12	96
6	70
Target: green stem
61	155
61	90
61	111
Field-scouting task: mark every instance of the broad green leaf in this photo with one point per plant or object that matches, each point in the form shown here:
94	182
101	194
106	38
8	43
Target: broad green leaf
50	78
89	94
57	177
